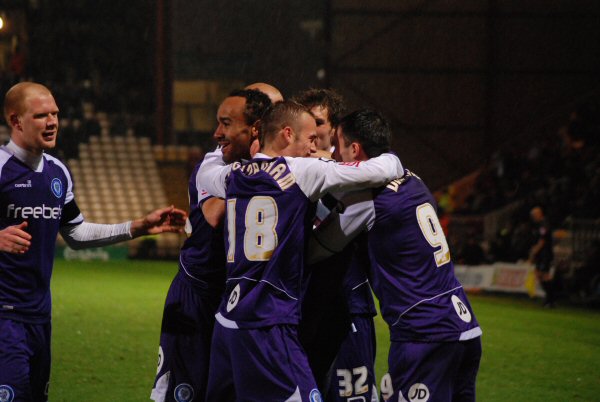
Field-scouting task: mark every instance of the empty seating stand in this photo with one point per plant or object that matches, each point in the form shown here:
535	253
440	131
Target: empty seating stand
117	179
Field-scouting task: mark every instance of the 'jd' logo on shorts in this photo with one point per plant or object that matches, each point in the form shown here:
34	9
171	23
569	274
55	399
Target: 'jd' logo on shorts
418	393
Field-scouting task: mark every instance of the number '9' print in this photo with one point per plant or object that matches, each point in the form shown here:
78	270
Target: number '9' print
433	233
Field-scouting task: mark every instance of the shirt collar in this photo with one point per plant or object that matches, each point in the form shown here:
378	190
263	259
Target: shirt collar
28	158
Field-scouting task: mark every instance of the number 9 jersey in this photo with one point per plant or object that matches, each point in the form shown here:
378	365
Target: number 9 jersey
413	274
411	269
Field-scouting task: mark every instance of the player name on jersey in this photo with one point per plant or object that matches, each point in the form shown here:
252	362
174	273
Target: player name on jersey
276	168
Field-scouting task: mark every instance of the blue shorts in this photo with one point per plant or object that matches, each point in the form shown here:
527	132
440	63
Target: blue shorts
352	375
24	361
262	365
441	372
184	352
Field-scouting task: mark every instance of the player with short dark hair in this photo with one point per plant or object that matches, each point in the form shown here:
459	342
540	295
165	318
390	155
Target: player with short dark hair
37	202
338	300
196	290
255	352
435	339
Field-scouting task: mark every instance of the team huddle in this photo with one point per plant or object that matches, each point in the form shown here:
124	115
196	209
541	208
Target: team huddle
299	215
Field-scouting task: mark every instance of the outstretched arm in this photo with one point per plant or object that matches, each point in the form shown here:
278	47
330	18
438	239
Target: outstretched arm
85	235
317	176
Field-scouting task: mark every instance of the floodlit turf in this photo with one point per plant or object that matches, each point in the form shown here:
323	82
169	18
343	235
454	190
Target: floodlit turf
107	320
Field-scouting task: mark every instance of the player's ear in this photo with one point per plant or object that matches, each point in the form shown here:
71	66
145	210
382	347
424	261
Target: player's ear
288	134
14	120
356	148
254	130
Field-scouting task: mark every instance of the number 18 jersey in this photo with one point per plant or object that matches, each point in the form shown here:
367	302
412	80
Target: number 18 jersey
266	222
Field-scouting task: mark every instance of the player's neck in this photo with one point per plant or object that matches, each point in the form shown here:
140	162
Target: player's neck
270	151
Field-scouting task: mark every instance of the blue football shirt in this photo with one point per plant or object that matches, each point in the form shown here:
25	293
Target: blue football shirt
44	198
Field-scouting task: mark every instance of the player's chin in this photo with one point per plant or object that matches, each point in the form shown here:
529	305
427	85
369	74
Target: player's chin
49	143
228	157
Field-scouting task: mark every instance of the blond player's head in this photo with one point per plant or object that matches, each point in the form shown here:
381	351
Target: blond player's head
32	115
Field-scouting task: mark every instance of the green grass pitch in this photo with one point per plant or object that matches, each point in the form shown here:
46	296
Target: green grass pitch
106	323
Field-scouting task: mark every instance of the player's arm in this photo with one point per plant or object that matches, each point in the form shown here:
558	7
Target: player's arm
535	249
213	210
339	228
212	174
14	239
84	234
317	176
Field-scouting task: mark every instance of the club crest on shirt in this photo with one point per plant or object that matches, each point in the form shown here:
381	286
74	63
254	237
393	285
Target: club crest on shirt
184	393
315	396
6	393
56	187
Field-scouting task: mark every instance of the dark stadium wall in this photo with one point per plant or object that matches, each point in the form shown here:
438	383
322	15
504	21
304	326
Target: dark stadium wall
462	79
249	41
458	79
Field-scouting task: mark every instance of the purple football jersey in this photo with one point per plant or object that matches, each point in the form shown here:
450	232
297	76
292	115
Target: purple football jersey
202	256
45	200
267	219
356	282
413	274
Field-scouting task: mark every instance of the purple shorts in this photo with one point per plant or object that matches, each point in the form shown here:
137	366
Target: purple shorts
441	372
24	361
262	365
352	375
184	352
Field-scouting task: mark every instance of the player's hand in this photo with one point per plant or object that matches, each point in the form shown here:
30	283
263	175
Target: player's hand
14	239
168	219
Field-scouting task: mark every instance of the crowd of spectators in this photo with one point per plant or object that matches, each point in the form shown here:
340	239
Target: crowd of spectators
561	173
